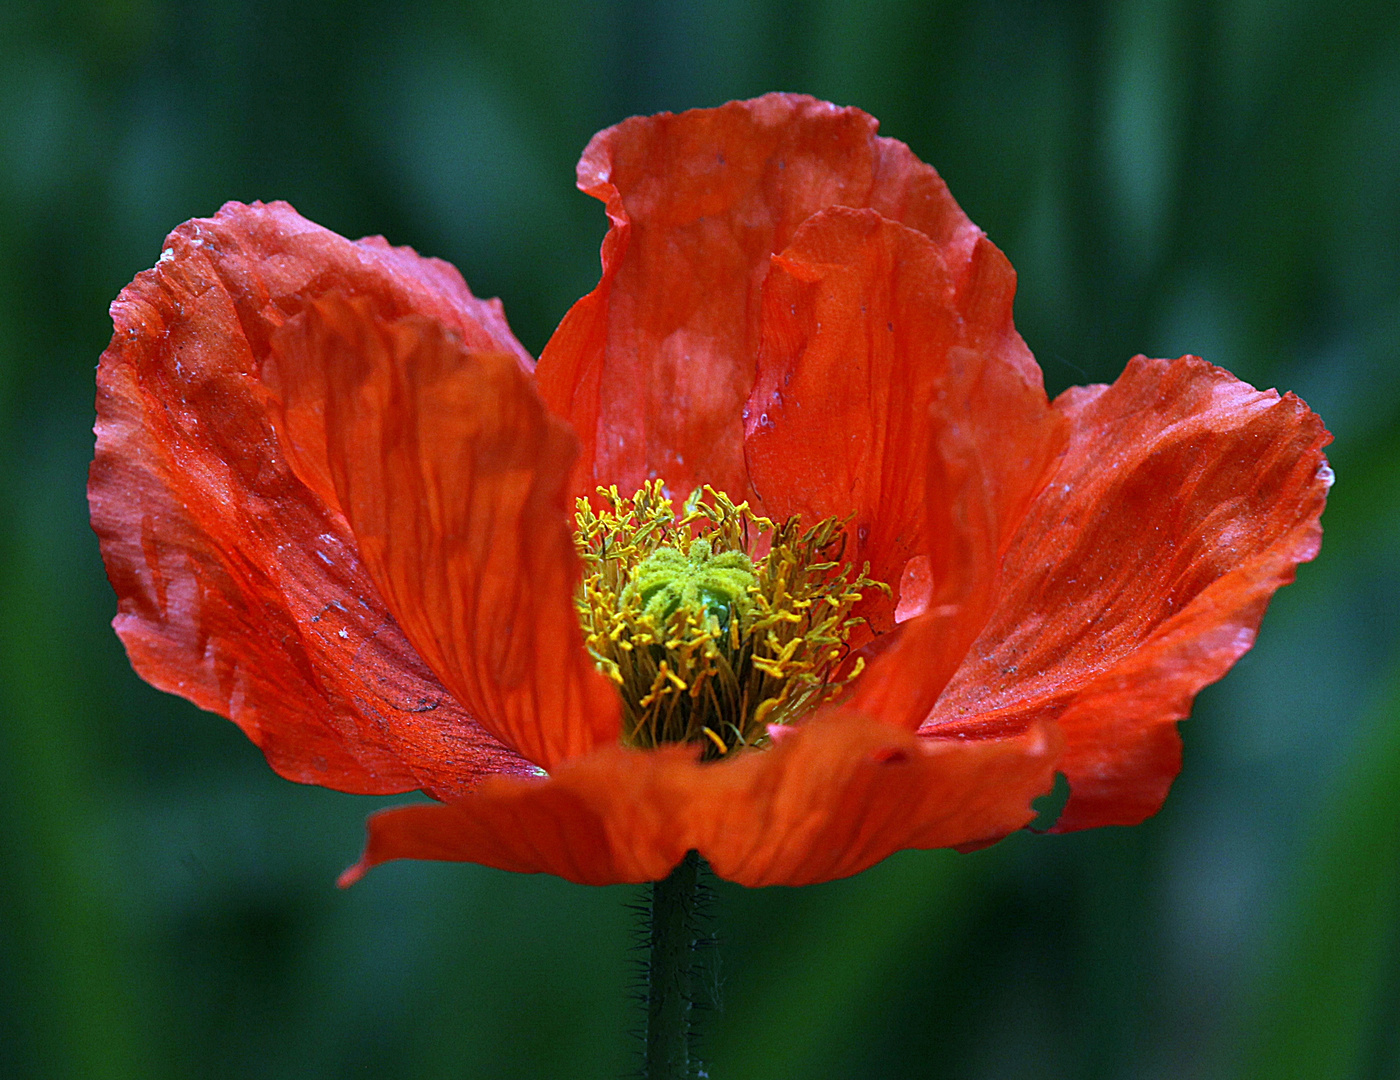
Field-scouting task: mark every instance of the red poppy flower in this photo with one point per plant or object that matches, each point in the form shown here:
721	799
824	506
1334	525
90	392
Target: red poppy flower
335	499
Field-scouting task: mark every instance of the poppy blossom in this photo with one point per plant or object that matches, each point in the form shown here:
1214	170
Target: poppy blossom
779	552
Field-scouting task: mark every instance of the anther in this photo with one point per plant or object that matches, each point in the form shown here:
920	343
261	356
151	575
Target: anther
716	740
698	635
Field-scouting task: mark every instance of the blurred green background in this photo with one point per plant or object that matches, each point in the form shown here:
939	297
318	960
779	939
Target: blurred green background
1167	176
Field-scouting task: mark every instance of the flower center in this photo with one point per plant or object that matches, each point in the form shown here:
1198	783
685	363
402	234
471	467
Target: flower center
713	622
715	587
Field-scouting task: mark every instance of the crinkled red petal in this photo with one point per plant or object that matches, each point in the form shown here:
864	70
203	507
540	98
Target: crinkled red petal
653	367
1183	500
830	799
894	391
452	476
240	587
840	795
616	815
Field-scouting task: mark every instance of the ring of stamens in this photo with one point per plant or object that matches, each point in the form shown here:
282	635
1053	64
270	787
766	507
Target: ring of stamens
713	622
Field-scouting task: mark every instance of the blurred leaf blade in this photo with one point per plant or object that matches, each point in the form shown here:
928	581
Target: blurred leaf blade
840	963
1322	1010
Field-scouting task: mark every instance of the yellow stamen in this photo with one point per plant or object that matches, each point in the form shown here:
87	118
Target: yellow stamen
702	637
716	740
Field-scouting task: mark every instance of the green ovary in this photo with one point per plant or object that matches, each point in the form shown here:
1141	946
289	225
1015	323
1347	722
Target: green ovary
698	580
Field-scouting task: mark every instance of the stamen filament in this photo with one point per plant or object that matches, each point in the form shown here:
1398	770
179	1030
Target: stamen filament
707	640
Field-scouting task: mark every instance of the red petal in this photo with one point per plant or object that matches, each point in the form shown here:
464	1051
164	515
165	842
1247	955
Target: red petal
239	587
614	816
893	389
832	798
1185	498
842	793
652	368
452	476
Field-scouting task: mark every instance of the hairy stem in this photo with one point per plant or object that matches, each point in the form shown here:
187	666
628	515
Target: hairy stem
674	974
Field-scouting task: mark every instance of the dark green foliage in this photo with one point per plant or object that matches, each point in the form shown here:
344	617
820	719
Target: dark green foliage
1213	176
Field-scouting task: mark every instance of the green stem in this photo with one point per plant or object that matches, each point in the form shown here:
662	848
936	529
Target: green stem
673	978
